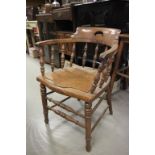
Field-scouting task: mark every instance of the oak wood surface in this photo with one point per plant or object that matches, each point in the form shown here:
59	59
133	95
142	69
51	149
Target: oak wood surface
80	82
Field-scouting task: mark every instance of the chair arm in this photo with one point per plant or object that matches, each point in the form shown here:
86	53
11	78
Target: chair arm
107	53
126	36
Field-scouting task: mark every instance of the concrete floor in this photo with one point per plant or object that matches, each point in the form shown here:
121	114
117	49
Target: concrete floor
60	137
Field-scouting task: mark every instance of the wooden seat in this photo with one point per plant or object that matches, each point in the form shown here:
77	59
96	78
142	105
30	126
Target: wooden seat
80	82
74	87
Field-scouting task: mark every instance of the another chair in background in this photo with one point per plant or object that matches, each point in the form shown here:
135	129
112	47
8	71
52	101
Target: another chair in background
119	68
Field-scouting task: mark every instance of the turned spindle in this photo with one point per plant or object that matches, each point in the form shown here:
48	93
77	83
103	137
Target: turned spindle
84	55
52	58
97	77
72	55
62	55
42	69
95	55
103	77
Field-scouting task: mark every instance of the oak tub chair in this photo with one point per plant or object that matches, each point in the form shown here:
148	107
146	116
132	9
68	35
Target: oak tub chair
80	82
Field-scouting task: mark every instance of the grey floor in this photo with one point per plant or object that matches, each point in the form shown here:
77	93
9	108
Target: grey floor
110	137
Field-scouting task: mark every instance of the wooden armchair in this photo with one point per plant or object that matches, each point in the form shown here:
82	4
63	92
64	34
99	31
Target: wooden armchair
84	83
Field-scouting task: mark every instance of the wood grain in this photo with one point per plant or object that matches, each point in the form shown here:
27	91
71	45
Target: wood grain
90	83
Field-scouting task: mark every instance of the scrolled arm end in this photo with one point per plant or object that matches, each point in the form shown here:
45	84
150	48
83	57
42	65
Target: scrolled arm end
107	53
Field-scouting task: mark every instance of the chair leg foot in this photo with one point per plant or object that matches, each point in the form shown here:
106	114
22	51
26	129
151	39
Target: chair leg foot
88	113
44	102
109	100
46	121
88	147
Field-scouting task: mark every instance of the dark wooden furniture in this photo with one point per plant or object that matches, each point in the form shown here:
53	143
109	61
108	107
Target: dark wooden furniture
63	18
35	2
46	26
80	82
47	30
39	2
122	71
111	13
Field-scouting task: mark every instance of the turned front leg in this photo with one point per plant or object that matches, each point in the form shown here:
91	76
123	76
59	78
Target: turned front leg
44	102
88	113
